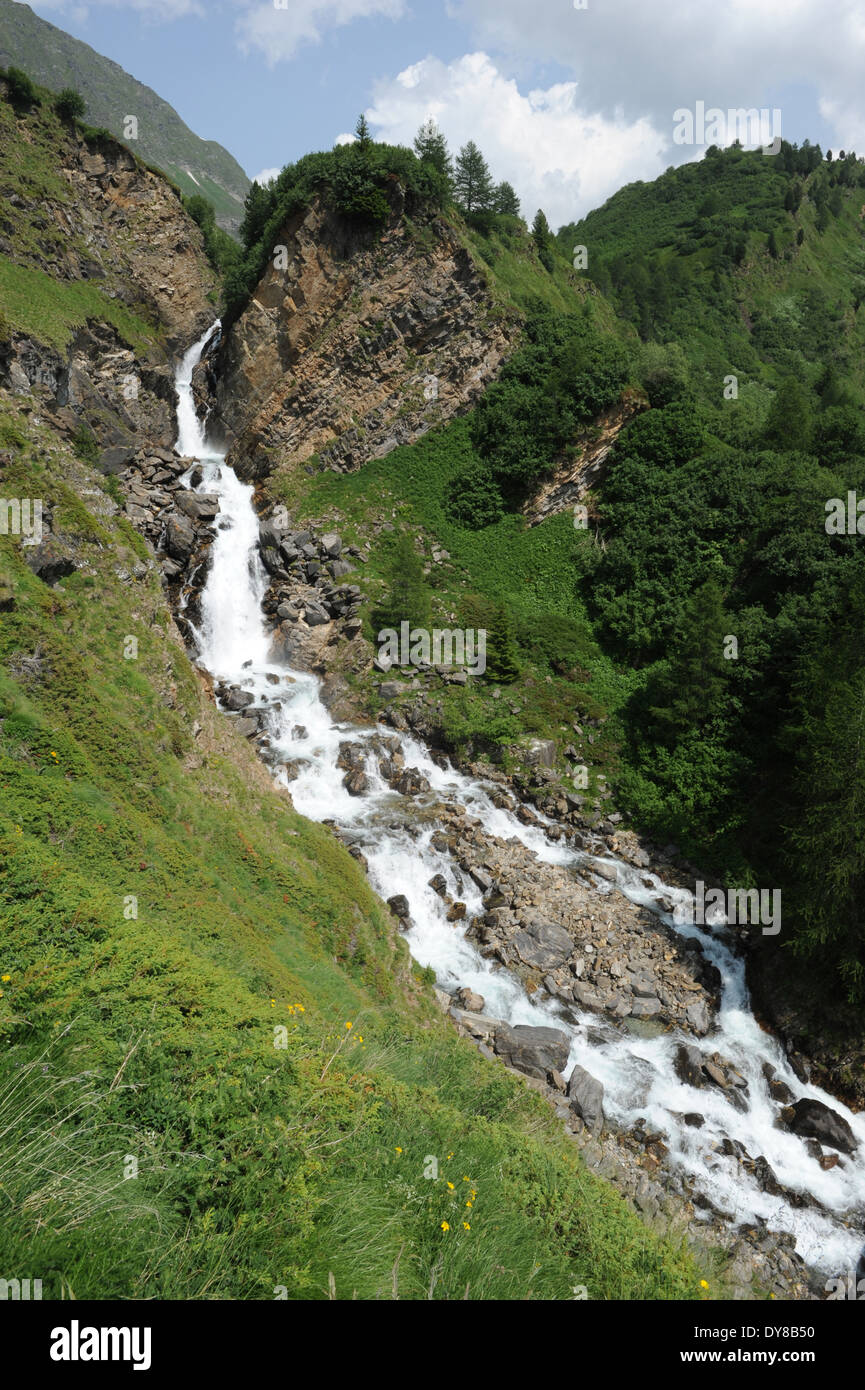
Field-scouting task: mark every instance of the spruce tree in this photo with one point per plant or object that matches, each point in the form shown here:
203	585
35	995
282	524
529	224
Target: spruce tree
507	204
407	598
362	134
431	146
543	239
473	182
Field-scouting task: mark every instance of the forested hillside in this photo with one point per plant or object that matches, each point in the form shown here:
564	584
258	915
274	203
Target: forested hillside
706	618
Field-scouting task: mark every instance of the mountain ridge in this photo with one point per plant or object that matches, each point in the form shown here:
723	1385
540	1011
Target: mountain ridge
56	60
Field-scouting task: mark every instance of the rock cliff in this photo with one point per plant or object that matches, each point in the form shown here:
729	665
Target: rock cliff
354	343
104	280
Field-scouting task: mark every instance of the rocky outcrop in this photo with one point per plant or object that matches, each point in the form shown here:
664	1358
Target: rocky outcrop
569	483
97	217
360	343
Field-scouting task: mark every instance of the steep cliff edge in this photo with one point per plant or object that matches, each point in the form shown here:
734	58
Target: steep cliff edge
356	342
103	278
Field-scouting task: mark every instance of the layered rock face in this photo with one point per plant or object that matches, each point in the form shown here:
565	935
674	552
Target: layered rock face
98	219
354	343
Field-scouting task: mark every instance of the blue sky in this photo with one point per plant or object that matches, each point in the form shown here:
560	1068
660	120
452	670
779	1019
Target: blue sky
568	101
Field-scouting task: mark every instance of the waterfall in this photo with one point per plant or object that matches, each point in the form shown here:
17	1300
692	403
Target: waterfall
637	1072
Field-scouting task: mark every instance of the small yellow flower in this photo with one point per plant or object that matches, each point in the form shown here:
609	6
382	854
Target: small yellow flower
399	1151
348	1026
466	1226
468	1204
445	1226
450	1187
703	1284
450	1156
5	979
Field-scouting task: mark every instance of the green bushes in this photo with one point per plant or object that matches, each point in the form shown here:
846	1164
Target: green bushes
357	181
20	91
70	105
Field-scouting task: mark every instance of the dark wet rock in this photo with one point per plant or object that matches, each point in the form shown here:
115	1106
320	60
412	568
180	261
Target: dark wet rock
236	699
688	1064
399	905
356	782
535	1051
812	1119
778	1089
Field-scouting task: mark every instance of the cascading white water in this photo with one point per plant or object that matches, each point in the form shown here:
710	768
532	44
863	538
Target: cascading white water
638	1073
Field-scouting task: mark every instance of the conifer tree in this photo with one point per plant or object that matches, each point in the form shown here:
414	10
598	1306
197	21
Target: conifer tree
473	182
506	201
431	146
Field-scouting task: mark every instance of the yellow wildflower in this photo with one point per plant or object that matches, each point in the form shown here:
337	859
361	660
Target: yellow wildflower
445	1226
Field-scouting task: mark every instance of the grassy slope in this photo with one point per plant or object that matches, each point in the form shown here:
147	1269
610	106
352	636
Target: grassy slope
152	1037
57	60
32	299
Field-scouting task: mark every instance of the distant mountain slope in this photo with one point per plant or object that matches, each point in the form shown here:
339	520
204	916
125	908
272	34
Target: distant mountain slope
57	60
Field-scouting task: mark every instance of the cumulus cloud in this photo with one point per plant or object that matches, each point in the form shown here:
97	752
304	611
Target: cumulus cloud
558	155
279	32
266	175
652	59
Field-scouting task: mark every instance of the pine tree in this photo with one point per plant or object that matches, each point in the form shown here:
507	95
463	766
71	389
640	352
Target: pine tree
257	208
507	204
407	598
473	182
543	239
362	134
501	648
431	146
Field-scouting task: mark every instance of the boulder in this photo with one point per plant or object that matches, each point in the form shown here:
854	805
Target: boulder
315	615
541	752
698	1017
535	1051
49	561
179	537
237	699
688	1064
399	905
814	1120
586	1095
356	782
470	1001
331	545
543	945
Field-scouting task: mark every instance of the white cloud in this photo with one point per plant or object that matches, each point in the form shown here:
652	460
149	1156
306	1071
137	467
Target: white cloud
653	58
266	175
557	155
279	33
